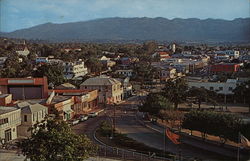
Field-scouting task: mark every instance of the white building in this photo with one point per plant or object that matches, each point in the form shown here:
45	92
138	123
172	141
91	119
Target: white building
10	119
74	70
126	73
109	89
30	115
24	52
225	88
230	53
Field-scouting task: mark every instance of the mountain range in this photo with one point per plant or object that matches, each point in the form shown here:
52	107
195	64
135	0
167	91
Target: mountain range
142	29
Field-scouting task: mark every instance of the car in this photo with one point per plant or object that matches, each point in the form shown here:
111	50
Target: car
83	117
92	114
73	122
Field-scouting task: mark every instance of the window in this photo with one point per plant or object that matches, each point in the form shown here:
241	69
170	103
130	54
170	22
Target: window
202	87
230	88
220	88
4	121
25	118
211	88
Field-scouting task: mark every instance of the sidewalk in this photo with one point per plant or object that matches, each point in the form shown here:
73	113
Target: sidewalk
13	156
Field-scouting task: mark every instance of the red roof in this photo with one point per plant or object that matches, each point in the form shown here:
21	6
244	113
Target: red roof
161	53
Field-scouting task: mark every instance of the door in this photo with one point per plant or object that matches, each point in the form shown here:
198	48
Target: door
8	135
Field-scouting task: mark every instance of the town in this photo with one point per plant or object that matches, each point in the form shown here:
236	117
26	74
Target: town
131	101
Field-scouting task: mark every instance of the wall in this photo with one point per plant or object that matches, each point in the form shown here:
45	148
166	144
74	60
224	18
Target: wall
14	120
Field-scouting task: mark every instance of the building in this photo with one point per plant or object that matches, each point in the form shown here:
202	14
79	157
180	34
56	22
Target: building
5	99
30	115
225	88
66	86
61	105
110	90
162	55
42	60
84	100
74	70
127	87
2	61
167	73
231	53
25	88
10	119
125	73
24	51
225	67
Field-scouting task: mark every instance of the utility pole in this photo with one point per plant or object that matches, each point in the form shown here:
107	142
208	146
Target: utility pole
114	116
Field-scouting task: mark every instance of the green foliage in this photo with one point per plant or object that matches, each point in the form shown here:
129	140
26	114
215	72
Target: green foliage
54	141
94	65
145	72
154	104
242	91
202	94
54	73
226	126
15	69
175	91
105	129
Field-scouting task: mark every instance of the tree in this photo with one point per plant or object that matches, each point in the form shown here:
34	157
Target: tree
226	126
54	141
243	91
94	65
172	116
54	73
175	91
154	104
199	93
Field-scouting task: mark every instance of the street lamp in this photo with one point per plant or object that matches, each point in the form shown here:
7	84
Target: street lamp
113	121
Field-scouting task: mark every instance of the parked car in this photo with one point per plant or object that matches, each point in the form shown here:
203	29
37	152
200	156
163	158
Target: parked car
92	114
83	117
73	122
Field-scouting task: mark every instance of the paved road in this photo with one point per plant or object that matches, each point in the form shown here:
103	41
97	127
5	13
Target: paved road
126	123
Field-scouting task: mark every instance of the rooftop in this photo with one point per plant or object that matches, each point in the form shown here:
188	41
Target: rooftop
33	108
100	81
4	109
4	95
58	99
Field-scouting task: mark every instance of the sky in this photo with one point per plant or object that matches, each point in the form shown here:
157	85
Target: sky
19	14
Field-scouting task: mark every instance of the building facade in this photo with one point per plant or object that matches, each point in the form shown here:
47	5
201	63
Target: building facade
225	67
225	88
30	115
73	70
10	119
109	89
84	100
25	88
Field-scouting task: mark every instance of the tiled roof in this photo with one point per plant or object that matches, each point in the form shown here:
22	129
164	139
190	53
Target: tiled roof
99	81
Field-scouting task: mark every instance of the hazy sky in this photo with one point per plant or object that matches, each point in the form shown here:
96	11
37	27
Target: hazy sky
17	14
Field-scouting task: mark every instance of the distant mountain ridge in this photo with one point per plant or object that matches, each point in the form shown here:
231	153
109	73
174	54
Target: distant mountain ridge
122	29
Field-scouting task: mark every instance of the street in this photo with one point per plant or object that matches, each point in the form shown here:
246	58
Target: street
127	123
